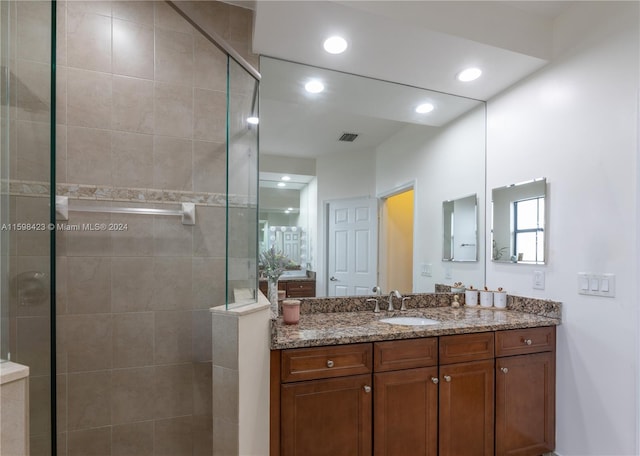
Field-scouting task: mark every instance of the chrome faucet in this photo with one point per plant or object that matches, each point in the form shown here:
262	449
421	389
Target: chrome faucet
376	309
393	293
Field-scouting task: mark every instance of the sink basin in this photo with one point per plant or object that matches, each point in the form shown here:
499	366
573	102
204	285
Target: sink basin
409	321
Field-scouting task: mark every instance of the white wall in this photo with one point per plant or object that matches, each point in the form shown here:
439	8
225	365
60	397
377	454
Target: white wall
446	164
308	220
576	122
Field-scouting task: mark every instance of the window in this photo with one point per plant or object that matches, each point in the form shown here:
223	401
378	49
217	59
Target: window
528	232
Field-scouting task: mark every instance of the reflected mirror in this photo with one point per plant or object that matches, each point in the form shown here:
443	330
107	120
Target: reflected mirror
460	229
518	224
290	240
339	163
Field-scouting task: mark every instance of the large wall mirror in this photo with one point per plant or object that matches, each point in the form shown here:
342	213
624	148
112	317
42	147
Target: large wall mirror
460	229
363	166
518	224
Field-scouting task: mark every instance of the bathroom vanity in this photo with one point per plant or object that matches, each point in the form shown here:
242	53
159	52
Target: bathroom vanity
480	381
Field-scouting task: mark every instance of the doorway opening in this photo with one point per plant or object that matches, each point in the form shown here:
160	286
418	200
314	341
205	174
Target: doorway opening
396	241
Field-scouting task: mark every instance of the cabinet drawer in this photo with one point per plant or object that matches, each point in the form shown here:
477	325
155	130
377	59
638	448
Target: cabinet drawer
297	289
324	362
523	341
466	347
405	354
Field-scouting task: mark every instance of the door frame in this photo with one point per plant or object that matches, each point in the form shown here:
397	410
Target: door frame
382	230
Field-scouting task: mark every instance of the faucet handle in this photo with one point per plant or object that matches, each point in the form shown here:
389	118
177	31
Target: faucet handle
403	306
377	307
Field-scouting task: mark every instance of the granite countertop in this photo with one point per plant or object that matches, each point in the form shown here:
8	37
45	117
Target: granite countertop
335	328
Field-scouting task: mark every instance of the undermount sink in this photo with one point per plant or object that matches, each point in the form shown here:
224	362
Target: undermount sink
409	321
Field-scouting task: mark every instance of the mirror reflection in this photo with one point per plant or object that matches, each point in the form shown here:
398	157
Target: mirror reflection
332	162
518	230
460	228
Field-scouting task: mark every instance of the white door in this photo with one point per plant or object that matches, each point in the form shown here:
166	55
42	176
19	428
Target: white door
352	247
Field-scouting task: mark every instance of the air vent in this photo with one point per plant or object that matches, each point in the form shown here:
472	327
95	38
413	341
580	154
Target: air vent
348	137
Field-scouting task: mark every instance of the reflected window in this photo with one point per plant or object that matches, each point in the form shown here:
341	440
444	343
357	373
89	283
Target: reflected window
528	230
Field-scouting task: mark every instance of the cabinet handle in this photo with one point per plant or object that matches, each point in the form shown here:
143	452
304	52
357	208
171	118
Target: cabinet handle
367	388
504	370
528	341
447	378
329	363
434	380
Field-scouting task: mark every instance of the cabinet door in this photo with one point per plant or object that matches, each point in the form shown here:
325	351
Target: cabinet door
405	407
466	409
525	404
329	417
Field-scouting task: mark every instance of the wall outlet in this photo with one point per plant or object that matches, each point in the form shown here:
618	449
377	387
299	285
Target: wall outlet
538	280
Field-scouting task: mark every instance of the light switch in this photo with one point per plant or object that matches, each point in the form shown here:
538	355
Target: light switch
604	285
584	284
597	284
538	280
594	284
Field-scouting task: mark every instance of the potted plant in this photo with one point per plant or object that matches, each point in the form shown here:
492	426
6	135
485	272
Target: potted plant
273	264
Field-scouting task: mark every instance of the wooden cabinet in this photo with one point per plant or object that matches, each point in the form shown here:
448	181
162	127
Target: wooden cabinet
293	288
466	410
525	392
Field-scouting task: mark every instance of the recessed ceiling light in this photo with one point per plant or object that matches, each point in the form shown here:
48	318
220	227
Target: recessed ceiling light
281	184
287	211
314	86
285	178
469	74
253	120
335	45
424	108
289	208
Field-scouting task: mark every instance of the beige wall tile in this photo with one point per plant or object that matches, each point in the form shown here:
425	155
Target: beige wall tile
89	403
172	279
216	15
61	33
201	330
89	285
61	403
90	6
89	98
132	439
29	293
171	237
95	442
174	390
225	436
39	405
140	12
137	238
61	153
133	336
202	389
167	18
173	110
61	285
225	397
132	105
208	234
173	437
210	116
34	30
174	57
240	24
173	338
225	341
33	211
133	47
132	284
209	166
132	397
89	156
88	39
202	436
132	160
208	282
33	91
210	65
172	163
33	344
83	242
32	154
62	444
87	341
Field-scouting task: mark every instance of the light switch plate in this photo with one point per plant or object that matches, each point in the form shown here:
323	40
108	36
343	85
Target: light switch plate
594	284
538	280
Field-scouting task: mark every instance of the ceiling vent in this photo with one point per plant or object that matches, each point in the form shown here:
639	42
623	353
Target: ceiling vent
348	137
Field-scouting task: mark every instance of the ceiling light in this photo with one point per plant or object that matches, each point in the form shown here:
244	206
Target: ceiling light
424	108
281	184
289	208
285	178
253	120
287	211
314	86
335	45
470	74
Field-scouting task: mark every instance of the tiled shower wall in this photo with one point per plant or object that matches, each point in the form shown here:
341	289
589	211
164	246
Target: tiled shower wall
141	116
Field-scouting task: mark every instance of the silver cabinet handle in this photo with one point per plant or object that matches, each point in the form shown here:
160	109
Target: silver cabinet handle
333	279
528	341
447	378
504	370
367	389
329	363
435	380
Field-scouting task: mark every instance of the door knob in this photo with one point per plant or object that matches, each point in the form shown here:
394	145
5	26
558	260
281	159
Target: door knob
333	279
